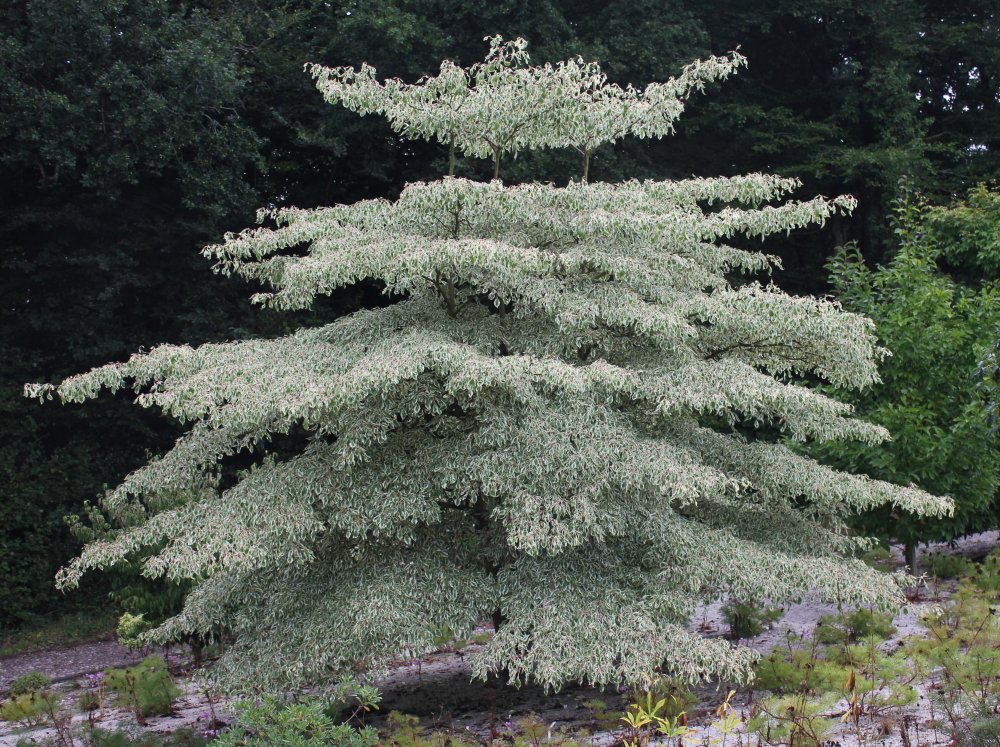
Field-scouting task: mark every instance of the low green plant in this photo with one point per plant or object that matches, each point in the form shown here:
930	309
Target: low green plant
961	657
351	701
131	629
878	682
603	718
945	565
987	574
531	731
798	667
31	708
444	638
92	736
747	618
89	701
792	720
268	721
29	683
877	557
726	722
405	730
651	715
92	698
858	625
981	731
146	689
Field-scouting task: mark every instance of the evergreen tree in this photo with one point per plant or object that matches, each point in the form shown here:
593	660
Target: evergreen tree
567	422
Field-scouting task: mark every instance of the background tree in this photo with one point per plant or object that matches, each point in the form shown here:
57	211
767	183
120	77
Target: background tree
988	382
120	147
546	429
937	330
966	234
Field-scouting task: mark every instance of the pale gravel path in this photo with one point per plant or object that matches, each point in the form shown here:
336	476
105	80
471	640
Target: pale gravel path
66	663
440	687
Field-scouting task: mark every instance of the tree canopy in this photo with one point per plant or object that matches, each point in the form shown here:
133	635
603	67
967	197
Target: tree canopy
562	423
142	130
938	330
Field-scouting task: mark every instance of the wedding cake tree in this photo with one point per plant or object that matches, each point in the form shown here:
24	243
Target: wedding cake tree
570	424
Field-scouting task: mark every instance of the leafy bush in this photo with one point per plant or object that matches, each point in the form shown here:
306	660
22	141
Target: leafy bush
877	556
146	689
987	574
145	602
946	565
267	722
747	619
29	683
968	232
604	719
130	630
937	330
91	736
792	720
30	709
878	682
980	732
88	701
794	670
848	628
961	654
405	730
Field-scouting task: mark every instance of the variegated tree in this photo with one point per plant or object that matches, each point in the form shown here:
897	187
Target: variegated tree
560	427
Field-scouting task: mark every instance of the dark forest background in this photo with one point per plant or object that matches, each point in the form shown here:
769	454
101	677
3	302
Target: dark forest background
134	132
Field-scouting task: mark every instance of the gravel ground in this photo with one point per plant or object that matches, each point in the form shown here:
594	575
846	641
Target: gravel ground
66	663
440	690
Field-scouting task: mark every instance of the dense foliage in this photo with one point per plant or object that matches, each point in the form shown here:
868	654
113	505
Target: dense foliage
560	362
937	330
131	136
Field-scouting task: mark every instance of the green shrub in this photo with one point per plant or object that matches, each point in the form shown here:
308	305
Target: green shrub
604	719
790	719
981	732
962	652
130	630
91	736
881	682
945	565
146	689
797	670
405	730
747	619
937	330
267	722
856	626
89	701
987	574
30	709
877	556
31	682
678	698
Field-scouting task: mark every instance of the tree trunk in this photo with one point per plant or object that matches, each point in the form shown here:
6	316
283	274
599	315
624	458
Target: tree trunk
910	555
198	651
